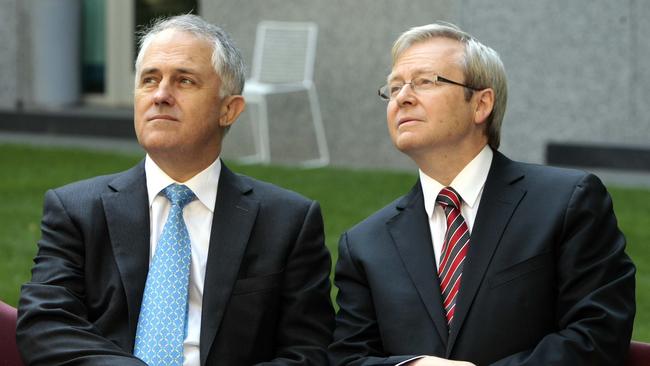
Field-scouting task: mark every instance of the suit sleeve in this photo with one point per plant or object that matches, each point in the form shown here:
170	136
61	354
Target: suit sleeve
305	325
357	338
596	296
53	326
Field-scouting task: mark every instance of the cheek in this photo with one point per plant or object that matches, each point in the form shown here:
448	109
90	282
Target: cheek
208	116
139	109
391	113
140	105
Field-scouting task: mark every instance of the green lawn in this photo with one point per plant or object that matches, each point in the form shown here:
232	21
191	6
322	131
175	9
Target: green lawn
346	197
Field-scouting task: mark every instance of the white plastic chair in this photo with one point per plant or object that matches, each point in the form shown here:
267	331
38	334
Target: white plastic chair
283	62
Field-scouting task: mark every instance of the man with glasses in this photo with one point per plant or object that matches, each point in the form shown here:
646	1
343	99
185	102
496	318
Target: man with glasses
486	261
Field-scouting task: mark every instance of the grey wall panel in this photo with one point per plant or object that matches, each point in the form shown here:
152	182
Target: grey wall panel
569	68
577	70
8	54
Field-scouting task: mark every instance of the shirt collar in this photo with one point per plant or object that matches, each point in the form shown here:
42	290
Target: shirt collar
468	183
204	184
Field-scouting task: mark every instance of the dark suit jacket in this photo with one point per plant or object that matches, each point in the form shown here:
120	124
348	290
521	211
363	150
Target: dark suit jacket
546	280
266	295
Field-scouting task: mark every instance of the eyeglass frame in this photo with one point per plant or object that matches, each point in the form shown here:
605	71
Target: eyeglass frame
436	78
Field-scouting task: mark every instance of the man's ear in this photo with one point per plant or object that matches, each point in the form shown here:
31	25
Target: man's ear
231	108
484	100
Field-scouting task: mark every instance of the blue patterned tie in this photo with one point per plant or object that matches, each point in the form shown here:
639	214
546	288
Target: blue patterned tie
163	315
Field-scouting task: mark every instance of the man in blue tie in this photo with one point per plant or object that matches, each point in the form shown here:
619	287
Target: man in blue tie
179	261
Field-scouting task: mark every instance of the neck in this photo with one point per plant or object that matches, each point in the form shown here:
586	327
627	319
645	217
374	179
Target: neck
444	166
182	170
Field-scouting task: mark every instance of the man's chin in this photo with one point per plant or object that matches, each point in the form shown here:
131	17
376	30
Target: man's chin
406	143
157	145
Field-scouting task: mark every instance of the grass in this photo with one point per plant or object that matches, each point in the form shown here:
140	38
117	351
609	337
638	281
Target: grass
346	197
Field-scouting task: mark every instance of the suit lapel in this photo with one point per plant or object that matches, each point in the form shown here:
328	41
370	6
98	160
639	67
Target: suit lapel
127	216
234	215
498	202
412	237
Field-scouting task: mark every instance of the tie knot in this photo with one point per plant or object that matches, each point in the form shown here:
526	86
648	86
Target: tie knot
449	197
178	194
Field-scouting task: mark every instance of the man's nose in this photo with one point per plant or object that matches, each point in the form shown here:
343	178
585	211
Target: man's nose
405	96
164	94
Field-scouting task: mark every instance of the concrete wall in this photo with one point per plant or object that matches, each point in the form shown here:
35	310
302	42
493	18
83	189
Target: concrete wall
577	70
9	54
16	74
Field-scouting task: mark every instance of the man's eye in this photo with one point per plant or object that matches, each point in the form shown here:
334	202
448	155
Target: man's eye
186	81
423	82
395	88
148	80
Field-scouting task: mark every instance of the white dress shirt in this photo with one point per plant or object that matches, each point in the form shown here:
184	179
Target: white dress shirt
469	185
198	218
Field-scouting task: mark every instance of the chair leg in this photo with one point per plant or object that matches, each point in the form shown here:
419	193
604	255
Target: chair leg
262	138
260	130
263	130
319	130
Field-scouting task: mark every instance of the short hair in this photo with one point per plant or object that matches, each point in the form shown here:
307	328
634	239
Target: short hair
226	58
482	68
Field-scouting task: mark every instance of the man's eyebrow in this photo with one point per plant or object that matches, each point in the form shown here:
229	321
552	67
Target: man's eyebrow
180	70
416	72
149	70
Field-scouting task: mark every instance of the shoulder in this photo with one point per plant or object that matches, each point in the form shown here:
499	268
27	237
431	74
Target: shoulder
379	217
563	178
545	187
86	186
272	195
544	177
278	208
93	188
547	173
377	221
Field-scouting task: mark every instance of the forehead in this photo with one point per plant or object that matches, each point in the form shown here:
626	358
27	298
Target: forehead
433	55
176	47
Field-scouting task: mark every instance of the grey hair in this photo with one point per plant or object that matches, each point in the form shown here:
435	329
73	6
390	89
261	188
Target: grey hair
482	68
226	58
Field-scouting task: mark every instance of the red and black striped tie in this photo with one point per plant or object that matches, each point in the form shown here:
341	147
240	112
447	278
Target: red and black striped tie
454	250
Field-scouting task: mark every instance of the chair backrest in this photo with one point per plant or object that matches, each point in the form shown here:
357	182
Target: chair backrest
284	52
9	355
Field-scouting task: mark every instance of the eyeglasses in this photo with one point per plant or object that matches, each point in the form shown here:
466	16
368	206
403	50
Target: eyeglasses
391	90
